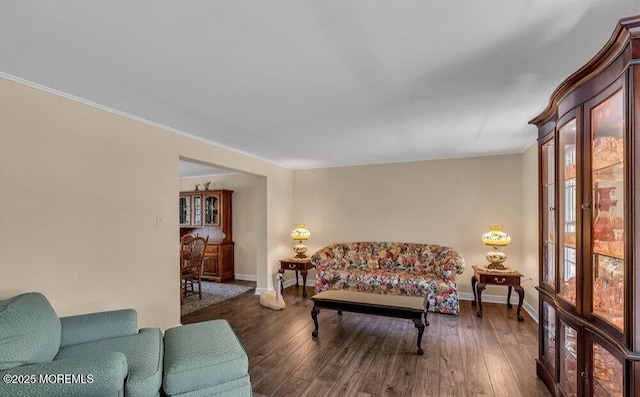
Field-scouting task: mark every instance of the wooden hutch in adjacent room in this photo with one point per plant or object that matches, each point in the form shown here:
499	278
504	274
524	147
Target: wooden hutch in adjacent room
589	156
208	213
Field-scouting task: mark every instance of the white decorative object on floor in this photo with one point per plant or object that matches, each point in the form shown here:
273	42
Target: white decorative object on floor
273	299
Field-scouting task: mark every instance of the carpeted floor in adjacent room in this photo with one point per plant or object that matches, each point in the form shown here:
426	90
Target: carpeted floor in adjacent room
212	293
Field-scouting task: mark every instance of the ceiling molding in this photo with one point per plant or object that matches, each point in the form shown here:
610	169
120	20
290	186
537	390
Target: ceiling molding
87	102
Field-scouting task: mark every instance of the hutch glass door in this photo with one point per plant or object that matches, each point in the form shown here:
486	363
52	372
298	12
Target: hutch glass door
567	213
548	214
607	223
548	338
197	210
607	378
184	208
568	360
211	210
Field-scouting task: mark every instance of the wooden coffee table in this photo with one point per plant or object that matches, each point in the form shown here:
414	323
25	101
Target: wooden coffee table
409	307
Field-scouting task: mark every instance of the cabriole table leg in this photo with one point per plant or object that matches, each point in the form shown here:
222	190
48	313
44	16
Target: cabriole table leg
420	326
520	292
314	316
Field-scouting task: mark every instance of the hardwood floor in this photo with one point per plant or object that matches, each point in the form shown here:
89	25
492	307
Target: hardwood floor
361	355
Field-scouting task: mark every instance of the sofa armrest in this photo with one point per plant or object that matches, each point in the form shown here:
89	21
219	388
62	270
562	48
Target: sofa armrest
448	263
323	259
98	326
102	375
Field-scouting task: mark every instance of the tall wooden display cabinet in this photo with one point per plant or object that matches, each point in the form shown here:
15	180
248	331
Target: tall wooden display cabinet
589	285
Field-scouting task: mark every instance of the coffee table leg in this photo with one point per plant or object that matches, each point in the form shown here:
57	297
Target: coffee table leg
304	283
314	316
420	326
509	297
426	310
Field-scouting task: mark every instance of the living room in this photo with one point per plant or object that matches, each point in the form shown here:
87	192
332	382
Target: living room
89	188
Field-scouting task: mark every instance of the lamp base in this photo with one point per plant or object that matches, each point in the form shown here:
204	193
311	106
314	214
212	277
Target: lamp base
496	266
496	257
300	250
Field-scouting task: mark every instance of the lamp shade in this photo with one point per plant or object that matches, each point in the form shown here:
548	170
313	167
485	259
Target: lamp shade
300	233
496	237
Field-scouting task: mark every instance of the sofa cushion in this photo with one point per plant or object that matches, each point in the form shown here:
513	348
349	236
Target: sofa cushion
143	351
235	388
202	355
382	281
102	376
91	327
30	331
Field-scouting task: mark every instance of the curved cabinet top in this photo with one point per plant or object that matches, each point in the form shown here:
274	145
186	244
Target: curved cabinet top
604	68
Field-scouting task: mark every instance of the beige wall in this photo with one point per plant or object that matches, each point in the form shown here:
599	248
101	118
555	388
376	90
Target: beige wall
530	257
81	191
247	201
448	202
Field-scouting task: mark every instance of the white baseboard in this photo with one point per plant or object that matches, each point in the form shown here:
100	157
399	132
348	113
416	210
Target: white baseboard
246	277
292	281
287	283
468	296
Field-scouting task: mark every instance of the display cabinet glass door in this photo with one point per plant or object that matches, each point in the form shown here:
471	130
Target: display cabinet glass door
568	360
567	210
548	214
606	371
607	217
212	210
184	208
197	210
548	339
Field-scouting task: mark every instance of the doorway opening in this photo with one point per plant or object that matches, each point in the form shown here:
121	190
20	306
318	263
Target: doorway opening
223	206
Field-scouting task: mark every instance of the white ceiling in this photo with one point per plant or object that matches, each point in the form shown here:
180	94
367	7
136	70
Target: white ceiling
316	83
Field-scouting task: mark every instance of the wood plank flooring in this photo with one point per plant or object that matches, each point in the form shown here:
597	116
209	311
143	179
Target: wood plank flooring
362	355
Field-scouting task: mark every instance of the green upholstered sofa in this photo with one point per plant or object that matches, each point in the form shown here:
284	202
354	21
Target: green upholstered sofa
104	354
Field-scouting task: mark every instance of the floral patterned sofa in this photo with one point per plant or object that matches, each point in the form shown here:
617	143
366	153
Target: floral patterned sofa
392	268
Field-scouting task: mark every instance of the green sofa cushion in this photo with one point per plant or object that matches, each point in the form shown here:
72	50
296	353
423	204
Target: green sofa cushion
202	355
235	388
102	376
144	359
30	331
91	327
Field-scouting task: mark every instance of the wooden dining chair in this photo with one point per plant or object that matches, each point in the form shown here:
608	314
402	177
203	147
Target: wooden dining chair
185	249
192	266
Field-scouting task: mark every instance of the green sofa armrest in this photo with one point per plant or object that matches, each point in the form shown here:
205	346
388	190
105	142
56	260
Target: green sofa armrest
98	326
71	377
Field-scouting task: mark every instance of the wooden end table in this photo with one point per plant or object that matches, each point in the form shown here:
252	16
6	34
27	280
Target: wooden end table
484	277
299	265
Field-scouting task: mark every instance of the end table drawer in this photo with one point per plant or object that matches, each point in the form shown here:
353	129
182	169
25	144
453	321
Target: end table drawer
499	279
293	266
